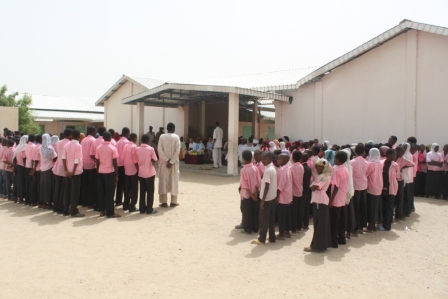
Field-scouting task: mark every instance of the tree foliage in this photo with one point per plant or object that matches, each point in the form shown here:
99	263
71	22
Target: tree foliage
26	119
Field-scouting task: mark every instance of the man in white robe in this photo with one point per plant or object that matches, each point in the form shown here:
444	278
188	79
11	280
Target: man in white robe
169	149
217	146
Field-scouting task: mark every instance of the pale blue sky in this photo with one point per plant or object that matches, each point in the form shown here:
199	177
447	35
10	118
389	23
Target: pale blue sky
80	48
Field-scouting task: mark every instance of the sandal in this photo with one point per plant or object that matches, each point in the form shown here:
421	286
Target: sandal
163	205
256	242
114	216
153	212
174	205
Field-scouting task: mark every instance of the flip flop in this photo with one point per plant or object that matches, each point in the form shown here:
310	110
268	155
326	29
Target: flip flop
256	242
114	216
174	205
163	205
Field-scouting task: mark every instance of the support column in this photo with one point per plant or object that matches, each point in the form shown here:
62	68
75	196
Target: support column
411	84
141	119
202	121
105	113
186	121
278	119
255	121
234	109
318	112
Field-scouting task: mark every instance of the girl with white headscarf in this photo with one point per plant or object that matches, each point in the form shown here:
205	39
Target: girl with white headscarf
272	146
374	188
22	144
19	179
54	142
47	154
321	214
349	199
283	149
434	160
407	172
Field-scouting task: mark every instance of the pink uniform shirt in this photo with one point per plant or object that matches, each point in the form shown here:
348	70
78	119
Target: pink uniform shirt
359	167
86	145
73	155
394	171
145	155
19	157
415	160
375	178
320	196
340	180
445	158
402	162
97	142
8	155
130	158
297	172
120	146
310	163
47	164
36	156
58	168
250	181
284	185
106	153
438	159
29	154
2	149
260	168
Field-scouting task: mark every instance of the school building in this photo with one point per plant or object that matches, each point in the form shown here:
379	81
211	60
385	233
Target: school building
394	84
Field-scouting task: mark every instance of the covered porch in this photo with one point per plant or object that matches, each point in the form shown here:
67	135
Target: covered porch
173	95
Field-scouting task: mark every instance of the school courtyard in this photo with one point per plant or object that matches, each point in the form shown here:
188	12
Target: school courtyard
193	251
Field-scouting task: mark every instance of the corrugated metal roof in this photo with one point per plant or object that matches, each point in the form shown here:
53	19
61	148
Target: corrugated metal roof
44	115
277	80
64	103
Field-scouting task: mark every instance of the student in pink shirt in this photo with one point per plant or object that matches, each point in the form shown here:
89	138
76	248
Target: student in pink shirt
434	160
120	184
392	141
88	177
73	165
3	147
60	174
320	201
258	163
284	197
47	158
146	156
374	188
338	212
130	174
7	159
414	159
19	164
29	153
445	172
403	178
390	188
106	163
298	200
422	169
359	166
250	182
307	210
35	174
95	144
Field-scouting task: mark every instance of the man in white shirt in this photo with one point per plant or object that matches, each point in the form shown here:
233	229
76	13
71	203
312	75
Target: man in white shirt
217	146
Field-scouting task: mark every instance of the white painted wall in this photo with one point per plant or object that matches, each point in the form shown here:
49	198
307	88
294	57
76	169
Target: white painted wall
399	88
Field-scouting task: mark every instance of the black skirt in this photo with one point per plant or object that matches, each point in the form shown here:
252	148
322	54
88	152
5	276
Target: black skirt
46	186
321	221
372	207
433	183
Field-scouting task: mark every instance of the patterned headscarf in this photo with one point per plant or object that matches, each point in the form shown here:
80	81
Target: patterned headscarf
47	149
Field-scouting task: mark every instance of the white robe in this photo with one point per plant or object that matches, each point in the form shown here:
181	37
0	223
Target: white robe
169	149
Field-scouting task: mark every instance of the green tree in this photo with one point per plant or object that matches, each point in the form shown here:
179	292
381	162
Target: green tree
26	119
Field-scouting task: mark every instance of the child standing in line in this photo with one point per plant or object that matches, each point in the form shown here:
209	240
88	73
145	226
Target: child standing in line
320	201
359	166
445	172
338	215
3	147
298	203
390	188
35	174
306	211
404	178
130	174
434	160
422	169
146	156
284	197
47	158
374	188
250	183
19	164
7	158
268	192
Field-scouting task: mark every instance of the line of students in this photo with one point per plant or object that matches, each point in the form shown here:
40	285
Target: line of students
347	194
60	175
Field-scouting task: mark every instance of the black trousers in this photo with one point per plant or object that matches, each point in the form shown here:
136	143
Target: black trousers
388	210
284	218
360	205
407	198
267	221
88	187
46	186
337	218
433	183
307	206
72	192
301	206
120	186
420	182
58	194
9	182
350	223
28	180
130	191
146	194
35	188
250	214
399	198
21	183
445	184
106	188
295	224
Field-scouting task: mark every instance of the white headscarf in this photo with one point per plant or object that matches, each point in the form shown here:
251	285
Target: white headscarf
46	148
22	145
407	172
328	144
54	139
282	146
434	156
272	146
374	155
351	188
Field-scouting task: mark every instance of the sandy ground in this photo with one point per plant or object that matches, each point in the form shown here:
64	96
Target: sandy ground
192	251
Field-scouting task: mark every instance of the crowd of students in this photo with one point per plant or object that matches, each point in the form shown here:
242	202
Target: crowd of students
346	190
95	171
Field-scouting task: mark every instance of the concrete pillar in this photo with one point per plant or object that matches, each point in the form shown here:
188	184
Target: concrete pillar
202	121
141	119
411	85
255	121
234	109
186	121
318	112
105	113
278	119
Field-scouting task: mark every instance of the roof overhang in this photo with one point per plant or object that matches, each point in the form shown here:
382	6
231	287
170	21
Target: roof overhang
175	94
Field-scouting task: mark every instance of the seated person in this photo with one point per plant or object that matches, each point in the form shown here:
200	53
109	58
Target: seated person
197	147
183	149
208	153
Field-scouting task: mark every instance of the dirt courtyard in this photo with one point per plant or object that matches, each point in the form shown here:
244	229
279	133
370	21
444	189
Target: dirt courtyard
193	251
